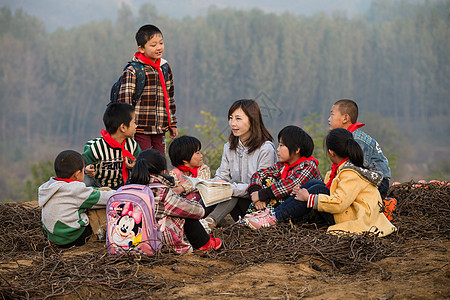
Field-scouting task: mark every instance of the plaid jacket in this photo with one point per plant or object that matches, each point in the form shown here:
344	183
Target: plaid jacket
172	209
151	113
282	188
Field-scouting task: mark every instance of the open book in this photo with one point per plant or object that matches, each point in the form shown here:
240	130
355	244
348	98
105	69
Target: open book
212	192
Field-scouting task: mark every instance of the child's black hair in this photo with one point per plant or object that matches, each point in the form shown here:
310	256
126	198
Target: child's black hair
145	33
293	137
182	148
116	114
148	162
349	107
341	141
68	162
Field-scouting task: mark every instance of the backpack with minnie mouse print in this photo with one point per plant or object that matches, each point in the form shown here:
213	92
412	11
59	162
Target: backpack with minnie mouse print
131	226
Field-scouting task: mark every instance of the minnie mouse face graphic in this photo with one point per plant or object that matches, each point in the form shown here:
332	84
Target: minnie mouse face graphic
128	225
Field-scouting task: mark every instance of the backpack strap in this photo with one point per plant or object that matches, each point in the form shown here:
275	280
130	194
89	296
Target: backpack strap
140	80
165	70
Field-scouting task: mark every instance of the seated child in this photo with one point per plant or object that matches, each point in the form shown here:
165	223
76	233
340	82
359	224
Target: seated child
178	214
65	200
106	155
295	166
185	155
353	199
344	114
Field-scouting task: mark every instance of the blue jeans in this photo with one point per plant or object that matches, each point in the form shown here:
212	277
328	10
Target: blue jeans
294	209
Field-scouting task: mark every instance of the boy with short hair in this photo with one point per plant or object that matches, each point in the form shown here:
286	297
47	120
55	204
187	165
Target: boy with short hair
344	114
110	156
155	109
65	200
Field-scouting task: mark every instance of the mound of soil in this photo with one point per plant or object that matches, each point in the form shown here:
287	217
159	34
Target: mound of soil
290	261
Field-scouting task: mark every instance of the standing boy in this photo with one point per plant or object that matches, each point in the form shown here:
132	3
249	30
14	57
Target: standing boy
344	114
65	200
155	109
110	156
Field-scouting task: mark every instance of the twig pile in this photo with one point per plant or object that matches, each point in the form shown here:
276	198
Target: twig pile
32	268
423	210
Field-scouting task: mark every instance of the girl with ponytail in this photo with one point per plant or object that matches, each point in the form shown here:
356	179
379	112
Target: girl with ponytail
353	199
177	214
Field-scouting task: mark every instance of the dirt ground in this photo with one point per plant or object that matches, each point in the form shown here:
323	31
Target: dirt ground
418	269
421	274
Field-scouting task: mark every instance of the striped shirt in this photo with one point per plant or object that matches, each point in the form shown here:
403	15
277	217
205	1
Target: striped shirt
107	160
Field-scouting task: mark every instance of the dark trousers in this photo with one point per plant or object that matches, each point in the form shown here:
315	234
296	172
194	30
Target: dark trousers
195	233
294	209
155	141
384	187
240	209
81	240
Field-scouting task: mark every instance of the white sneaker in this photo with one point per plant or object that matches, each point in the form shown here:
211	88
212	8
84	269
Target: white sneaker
208	223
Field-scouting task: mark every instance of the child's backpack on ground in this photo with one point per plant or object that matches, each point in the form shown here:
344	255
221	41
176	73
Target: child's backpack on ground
131	226
140	81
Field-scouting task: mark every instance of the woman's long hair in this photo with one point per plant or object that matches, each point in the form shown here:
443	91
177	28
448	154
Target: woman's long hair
258	131
341	141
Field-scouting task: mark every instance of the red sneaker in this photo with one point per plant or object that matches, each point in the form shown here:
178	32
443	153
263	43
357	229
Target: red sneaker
212	244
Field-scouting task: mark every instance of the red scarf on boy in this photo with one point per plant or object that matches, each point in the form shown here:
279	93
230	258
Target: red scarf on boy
355	126
287	167
334	168
157	67
125	153
65	179
193	171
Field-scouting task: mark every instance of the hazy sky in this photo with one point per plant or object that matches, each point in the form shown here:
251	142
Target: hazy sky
70	13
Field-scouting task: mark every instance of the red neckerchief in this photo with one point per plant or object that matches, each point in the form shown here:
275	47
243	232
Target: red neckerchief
193	171
125	153
65	179
334	168
288	168
156	66
355	126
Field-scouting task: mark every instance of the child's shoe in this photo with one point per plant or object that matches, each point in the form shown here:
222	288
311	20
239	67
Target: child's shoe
212	244
265	219
208	223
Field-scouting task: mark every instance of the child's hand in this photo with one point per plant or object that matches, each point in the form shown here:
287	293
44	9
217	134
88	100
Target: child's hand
173	132
89	170
302	195
260	205
129	162
255	197
295	189
178	189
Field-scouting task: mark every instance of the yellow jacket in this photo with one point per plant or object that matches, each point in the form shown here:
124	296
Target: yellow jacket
355	202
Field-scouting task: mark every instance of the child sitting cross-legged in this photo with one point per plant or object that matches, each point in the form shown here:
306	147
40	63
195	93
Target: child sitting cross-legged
178	214
349	195
65	201
296	166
